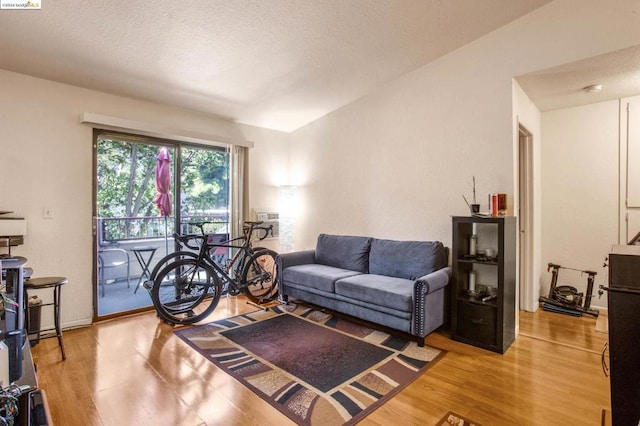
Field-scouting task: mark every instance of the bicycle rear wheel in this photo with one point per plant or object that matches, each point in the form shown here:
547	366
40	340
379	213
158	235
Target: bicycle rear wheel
185	292
260	276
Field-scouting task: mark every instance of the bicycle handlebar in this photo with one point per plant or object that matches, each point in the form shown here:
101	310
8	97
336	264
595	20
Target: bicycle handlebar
187	238
266	229
250	226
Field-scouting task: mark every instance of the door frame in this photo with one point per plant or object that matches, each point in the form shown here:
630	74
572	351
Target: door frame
132	138
525	215
178	147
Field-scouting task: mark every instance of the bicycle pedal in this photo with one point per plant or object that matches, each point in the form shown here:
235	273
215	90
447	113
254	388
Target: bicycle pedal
148	284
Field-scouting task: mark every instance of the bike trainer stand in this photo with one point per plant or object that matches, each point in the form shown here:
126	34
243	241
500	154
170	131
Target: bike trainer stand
566	299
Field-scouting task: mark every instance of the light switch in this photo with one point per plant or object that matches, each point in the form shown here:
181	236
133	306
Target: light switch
47	213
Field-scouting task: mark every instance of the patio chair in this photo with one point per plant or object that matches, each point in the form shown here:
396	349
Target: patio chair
112	258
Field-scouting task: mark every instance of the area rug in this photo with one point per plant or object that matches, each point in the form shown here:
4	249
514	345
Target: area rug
316	368
455	419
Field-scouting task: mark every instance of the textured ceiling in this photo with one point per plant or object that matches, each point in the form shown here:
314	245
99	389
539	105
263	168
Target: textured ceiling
561	87
271	63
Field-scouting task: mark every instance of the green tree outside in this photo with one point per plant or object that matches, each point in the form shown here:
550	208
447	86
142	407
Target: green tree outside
126	183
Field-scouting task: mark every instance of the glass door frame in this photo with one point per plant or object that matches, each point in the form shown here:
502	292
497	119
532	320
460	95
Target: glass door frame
176	196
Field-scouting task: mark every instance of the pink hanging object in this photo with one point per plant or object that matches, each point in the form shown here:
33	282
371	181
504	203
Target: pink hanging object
163	183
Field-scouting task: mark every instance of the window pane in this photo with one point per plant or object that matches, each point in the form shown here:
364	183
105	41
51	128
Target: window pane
204	183
126	191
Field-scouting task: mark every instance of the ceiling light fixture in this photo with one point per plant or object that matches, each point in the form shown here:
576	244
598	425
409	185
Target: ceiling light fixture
594	88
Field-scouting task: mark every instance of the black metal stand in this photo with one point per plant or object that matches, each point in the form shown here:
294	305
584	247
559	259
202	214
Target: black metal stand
566	299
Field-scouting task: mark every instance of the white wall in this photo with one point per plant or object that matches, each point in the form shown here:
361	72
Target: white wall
46	161
580	191
396	162
268	168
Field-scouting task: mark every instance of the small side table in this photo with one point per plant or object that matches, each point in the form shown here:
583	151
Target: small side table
140	252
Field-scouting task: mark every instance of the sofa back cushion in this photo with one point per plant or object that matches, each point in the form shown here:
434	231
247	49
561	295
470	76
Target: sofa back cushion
344	252
406	259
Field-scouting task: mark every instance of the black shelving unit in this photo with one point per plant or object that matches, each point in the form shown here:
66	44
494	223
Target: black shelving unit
488	324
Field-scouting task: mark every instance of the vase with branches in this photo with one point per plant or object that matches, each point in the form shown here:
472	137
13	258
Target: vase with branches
474	207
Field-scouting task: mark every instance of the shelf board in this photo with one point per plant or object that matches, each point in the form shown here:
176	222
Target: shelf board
478	262
473	299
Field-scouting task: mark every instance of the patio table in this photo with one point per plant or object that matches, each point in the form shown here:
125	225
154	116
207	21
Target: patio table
140	252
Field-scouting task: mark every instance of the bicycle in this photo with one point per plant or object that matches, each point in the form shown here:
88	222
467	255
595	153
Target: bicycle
185	287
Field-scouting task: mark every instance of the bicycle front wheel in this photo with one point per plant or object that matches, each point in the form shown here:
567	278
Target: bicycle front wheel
186	291
260	276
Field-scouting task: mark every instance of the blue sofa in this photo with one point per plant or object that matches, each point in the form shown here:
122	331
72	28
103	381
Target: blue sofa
397	284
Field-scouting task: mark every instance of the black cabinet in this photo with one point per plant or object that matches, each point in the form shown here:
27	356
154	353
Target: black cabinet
484	281
623	298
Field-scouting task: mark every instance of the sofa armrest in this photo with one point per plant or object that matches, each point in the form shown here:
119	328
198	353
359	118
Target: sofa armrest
428	301
435	280
285	260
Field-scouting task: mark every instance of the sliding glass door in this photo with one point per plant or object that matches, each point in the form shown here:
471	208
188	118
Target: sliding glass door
146	189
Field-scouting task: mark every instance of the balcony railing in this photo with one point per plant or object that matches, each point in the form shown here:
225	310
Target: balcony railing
117	229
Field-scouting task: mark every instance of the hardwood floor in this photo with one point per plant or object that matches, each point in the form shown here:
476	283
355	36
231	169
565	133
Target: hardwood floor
133	371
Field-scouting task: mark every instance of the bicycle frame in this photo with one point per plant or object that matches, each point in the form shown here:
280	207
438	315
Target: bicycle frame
199	278
234	267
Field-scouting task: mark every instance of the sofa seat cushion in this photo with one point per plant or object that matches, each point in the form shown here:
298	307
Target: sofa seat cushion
345	252
395	293
320	277
406	259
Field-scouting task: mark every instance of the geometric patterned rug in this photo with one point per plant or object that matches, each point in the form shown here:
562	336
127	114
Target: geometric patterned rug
315	368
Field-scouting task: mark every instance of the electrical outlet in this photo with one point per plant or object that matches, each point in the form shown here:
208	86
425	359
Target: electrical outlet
47	213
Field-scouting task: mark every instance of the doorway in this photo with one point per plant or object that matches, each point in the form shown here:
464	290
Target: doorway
146	190
525	218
